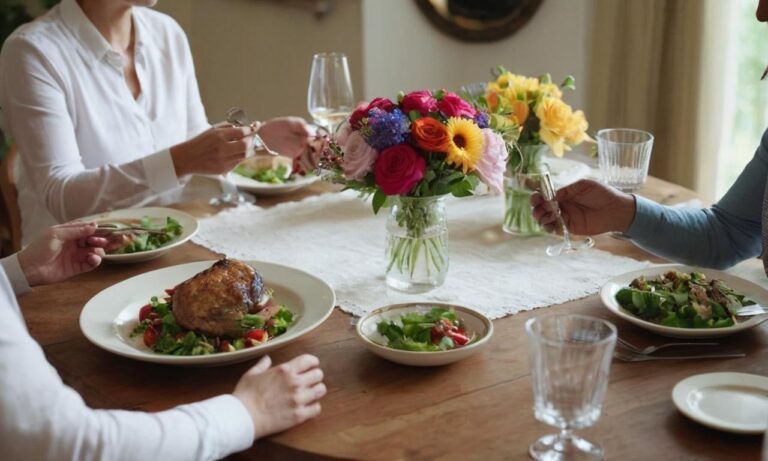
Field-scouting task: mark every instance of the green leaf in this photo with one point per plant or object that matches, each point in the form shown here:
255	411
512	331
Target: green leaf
439	94
379	198
569	83
414	115
251	321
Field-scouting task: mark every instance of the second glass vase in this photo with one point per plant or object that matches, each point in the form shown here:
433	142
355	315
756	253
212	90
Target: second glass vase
520	181
417	244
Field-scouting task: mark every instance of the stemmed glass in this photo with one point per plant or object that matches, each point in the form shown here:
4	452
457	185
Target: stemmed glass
570	359
329	98
568	245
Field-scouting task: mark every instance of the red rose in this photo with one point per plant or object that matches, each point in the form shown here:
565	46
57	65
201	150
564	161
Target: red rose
362	109
420	101
398	169
453	106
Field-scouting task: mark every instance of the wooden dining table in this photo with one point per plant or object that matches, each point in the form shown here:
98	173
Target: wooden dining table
479	408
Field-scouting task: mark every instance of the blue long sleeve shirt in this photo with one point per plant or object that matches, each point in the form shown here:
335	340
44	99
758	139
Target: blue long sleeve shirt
717	237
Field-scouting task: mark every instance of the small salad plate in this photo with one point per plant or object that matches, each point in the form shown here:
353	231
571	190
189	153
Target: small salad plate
268	189
477	327
732	402
189	226
108	319
751	290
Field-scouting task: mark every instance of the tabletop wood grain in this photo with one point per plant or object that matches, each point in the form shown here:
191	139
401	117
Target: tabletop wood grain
480	408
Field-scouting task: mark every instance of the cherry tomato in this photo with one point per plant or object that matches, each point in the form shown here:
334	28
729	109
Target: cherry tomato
144	312
458	338
151	335
225	346
258	335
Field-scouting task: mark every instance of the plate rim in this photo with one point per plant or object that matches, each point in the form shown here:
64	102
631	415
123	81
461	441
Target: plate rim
146	255
258	186
206	360
612	305
680	399
483	318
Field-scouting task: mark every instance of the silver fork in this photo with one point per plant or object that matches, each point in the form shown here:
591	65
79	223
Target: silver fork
651	349
635	357
237	117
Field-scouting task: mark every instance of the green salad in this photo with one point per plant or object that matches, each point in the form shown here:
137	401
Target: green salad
159	331
683	300
437	330
134	241
279	175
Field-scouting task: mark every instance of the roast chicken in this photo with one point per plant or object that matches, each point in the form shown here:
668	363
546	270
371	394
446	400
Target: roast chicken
213	301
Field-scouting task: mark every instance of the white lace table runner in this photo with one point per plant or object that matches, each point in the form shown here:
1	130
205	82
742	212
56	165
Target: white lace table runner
337	237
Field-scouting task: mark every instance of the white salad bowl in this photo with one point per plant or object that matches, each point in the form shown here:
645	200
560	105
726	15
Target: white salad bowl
108	319
189	226
475	322
751	290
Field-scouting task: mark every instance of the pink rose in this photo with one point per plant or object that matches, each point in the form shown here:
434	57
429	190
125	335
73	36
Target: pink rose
493	162
361	111
453	106
343	133
420	101
398	169
358	156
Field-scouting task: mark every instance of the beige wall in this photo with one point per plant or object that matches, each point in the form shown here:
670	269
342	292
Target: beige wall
256	54
403	51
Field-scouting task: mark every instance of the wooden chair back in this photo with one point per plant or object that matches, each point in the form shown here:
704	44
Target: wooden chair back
10	218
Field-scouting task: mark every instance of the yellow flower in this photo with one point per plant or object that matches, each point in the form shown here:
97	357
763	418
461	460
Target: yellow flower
465	145
550	89
555	118
577	129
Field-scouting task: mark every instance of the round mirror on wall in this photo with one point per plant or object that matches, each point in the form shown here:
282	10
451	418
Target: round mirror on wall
479	20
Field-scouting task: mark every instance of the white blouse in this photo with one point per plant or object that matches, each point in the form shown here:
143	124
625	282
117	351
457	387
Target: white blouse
41	418
85	144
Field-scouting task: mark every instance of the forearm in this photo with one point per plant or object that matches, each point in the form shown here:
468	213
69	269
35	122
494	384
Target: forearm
702	237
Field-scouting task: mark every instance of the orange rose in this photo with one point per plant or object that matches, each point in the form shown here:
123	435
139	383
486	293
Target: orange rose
429	134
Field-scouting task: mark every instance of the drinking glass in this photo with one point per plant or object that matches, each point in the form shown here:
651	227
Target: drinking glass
624	155
329	98
568	245
570	358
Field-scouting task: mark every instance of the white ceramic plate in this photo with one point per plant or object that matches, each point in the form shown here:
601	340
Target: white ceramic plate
188	223
109	317
263	188
475	322
733	402
566	171
753	291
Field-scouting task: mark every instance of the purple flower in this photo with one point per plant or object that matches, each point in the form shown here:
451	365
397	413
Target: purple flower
482	119
386	129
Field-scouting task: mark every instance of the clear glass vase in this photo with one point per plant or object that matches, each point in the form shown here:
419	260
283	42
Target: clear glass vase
417	244
520	181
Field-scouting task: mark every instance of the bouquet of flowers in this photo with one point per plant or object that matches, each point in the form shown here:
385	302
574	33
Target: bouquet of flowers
414	151
546	123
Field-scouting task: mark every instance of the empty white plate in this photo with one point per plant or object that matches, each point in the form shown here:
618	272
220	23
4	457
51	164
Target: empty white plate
732	402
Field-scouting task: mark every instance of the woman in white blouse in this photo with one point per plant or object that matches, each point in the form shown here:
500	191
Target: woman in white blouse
42	418
101	99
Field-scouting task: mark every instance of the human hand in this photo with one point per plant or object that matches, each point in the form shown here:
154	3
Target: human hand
62	252
281	397
215	151
588	208
287	136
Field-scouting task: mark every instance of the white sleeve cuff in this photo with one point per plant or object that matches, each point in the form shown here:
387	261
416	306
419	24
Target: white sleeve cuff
15	275
230	426
160	172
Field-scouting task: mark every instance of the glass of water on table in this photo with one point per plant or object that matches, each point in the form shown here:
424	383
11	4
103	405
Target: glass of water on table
623	155
570	359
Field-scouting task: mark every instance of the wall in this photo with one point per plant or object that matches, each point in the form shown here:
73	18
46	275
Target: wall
403	51
257	54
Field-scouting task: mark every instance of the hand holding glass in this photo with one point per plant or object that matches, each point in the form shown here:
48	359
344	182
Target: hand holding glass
567	245
570	359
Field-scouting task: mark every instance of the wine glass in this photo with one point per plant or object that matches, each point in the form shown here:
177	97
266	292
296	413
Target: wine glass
570	359
329	98
568	245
